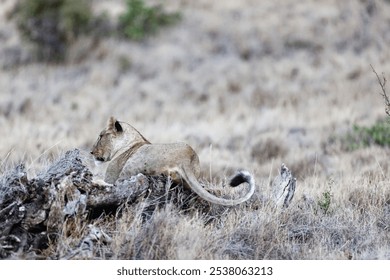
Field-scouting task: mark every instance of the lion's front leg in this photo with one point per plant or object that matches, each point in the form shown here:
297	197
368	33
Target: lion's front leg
101	182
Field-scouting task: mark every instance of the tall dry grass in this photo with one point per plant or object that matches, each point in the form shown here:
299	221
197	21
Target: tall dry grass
353	225
249	85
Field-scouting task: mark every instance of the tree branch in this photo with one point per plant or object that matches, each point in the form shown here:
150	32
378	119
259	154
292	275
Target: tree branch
382	83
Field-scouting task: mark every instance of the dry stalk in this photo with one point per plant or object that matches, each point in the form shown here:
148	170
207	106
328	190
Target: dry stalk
382	83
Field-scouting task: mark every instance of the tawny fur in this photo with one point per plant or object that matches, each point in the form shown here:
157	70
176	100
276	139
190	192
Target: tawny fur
129	153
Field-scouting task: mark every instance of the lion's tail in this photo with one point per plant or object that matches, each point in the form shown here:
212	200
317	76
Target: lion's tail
238	179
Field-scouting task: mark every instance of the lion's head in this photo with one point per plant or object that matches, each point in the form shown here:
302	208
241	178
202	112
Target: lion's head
109	142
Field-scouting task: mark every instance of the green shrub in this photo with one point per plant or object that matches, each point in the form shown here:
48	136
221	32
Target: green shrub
325	201
53	24
140	20
377	134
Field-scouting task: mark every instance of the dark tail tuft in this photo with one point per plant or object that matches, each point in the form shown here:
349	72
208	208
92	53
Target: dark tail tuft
240	177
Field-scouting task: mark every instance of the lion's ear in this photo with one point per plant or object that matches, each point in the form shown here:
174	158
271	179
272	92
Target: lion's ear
111	123
118	127
114	124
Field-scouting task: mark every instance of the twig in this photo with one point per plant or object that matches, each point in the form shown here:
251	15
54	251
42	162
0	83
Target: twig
44	152
382	83
3	162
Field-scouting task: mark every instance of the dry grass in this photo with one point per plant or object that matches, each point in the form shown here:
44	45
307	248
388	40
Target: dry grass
249	85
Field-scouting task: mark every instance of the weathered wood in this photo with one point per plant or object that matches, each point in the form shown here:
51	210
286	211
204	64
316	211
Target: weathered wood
32	211
283	187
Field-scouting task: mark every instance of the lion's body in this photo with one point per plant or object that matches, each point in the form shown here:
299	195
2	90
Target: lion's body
154	159
129	153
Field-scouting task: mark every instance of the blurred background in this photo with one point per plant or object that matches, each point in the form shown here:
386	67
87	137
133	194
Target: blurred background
248	84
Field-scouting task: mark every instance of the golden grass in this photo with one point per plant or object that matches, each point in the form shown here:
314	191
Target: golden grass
263	83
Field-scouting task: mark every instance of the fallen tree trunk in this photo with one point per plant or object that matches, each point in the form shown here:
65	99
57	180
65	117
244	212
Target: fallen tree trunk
33	211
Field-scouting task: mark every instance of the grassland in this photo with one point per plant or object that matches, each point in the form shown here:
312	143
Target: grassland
248	84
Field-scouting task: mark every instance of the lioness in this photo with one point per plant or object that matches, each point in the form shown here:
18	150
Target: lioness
129	153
